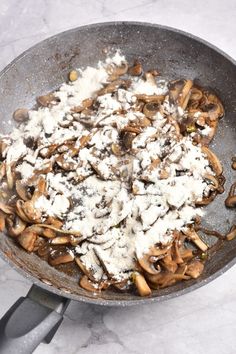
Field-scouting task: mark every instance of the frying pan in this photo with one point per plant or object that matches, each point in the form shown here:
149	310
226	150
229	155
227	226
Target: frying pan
43	68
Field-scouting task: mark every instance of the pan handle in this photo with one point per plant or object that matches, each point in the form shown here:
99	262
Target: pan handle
31	320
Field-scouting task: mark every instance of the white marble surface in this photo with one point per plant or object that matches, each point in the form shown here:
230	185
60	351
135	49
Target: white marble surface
203	321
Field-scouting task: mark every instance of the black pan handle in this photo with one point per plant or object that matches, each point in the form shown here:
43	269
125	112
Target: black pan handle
30	321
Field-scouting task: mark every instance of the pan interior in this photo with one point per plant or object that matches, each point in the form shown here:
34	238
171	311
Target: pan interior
44	67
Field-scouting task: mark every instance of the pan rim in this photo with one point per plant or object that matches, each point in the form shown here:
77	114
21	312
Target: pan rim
139	300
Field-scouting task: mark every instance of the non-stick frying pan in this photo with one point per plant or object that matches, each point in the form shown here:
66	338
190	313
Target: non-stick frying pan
43	68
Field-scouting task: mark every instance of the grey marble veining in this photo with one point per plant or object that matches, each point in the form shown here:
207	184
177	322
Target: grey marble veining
199	322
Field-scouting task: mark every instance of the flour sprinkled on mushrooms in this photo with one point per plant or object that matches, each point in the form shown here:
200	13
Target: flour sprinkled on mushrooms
111	172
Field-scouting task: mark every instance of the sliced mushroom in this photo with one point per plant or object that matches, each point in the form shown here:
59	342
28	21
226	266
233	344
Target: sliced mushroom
27	239
53	221
213	160
7	209
136	69
206	200
145	263
2	221
233	163
57	258
83	268
168	263
21	115
61	240
2	170
150	98
20	212
212	105
214	183
116	71
114	86
22	191
88	285
127	138
141	284
32	213
60	231
87	103
230	201
9	175
195	238
195	269
150	109
15	226
46	100
232	233
180	91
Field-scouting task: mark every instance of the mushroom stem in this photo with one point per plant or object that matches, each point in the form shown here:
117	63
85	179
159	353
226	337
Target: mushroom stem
141	284
195	238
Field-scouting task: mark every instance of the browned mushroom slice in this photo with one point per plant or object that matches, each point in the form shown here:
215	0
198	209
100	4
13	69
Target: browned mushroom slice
127	138
180	91
46	100
87	103
7	209
195	269
212	105
10	177
212	181
61	240
186	253
88	285
45	168
48	151
113	86
213	160
195	238
2	221
60	231
59	257
53	221
15	226
2	170
22	191
145	262
206	200
230	201
27	239
131	129
116	71
233	163
136	69
21	115
168	263
33	214
165	279
141	284
150	109
117	150
150	98
177	258
83	268
232	233
206	139
196	95
20	211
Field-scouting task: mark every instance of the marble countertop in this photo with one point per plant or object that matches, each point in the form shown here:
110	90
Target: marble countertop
199	322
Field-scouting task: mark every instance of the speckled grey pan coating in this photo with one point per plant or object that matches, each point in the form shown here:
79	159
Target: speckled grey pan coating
175	54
